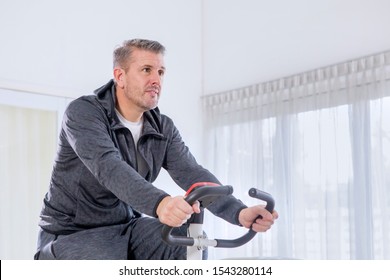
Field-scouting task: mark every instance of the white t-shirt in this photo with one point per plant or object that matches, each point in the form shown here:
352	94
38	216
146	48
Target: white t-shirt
135	129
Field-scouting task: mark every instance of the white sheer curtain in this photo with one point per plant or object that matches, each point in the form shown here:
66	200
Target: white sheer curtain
28	129
319	142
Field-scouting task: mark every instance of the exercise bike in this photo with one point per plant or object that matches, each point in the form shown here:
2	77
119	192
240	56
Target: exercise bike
206	193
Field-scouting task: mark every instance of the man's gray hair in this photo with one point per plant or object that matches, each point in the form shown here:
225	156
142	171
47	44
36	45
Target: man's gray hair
122	54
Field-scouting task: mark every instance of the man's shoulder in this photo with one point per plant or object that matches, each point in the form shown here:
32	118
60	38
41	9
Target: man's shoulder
83	101
95	99
86	104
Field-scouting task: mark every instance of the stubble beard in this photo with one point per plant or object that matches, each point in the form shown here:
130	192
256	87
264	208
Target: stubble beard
142	99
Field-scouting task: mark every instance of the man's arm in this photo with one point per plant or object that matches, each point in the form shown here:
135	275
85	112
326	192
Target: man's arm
185	171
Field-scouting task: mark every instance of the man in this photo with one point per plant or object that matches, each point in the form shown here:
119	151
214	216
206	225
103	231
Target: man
111	148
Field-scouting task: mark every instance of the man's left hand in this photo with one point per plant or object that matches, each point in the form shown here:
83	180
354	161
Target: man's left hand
257	218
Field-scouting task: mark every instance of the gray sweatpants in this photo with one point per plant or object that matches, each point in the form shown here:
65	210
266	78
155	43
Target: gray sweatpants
140	239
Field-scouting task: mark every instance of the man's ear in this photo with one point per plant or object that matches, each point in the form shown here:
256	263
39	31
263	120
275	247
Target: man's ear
119	76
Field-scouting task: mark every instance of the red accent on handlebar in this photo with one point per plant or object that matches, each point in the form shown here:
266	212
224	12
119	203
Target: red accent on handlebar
199	184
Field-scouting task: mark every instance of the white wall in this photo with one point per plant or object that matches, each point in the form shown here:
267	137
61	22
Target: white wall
252	41
65	48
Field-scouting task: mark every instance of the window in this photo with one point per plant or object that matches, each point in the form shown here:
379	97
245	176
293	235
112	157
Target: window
320	143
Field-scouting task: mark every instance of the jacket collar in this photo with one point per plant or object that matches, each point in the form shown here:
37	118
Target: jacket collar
106	96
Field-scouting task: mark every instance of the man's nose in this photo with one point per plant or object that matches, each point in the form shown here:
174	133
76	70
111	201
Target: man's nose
156	78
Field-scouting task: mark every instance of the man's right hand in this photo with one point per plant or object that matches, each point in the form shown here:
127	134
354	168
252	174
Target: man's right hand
175	211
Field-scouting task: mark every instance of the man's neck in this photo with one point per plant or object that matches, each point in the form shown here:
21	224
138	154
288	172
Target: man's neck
130	115
129	112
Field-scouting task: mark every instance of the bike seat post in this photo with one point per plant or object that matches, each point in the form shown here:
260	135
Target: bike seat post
195	230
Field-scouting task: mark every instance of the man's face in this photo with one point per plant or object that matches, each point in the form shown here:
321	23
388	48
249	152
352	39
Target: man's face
143	79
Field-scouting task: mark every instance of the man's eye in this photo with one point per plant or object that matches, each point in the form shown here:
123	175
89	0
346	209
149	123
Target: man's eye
161	72
146	70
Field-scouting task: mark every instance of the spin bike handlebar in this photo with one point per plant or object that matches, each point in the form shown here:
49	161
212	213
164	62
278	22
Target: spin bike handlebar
207	194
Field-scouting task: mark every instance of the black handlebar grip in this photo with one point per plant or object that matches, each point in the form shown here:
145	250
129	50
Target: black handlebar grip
207	194
255	193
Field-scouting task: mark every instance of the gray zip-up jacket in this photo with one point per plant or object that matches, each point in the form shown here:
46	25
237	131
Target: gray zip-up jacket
95	181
